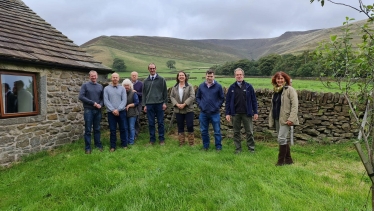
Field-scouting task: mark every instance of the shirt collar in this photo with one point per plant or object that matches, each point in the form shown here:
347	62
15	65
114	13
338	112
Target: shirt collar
114	86
210	84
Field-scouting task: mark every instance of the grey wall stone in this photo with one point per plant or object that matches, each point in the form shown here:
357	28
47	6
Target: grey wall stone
60	120
323	117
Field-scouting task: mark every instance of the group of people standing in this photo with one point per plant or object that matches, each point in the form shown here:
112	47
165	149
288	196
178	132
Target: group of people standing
124	102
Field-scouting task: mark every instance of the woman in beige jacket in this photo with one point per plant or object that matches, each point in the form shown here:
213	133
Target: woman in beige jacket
283	114
182	97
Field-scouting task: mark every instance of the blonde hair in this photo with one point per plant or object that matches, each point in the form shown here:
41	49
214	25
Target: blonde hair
128	82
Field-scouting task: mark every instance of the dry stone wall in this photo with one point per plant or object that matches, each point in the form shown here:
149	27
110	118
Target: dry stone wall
324	117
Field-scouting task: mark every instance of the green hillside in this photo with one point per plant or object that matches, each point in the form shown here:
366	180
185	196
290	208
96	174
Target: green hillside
139	51
139	62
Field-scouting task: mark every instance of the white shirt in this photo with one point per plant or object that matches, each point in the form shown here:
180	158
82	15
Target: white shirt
180	90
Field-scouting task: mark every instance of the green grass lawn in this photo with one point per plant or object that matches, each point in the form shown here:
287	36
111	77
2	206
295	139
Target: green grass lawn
324	177
264	83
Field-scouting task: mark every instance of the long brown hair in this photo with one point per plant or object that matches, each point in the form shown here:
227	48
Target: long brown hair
185	75
286	77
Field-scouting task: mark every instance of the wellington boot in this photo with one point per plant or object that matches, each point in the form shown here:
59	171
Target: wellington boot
282	155
288	159
181	138
191	138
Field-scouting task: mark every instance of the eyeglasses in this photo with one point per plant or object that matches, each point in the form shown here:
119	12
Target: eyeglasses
152	68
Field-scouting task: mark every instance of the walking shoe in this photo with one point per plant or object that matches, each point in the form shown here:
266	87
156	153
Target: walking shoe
100	149
218	150
204	149
162	143
88	151
237	152
251	150
125	148
112	149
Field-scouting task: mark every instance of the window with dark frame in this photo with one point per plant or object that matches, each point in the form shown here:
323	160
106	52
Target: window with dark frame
18	93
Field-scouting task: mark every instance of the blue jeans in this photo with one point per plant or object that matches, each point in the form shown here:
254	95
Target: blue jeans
131	129
204	126
121	121
155	110
92	117
189	121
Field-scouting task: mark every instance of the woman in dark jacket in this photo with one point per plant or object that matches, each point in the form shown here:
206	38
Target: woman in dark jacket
283	114
131	110
182	97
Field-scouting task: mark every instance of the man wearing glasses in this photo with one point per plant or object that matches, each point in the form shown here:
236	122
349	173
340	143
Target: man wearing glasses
155	97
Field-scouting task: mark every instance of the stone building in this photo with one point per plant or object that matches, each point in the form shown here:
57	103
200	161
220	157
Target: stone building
41	72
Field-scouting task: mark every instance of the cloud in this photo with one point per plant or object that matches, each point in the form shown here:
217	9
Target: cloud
195	19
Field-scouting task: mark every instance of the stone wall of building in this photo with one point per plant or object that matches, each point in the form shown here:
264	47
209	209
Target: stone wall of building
60	120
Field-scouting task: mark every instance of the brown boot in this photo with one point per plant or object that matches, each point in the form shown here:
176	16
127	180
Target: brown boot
191	138
288	159
181	139
282	155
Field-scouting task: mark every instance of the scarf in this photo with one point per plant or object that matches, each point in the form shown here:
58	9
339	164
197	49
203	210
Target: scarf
277	89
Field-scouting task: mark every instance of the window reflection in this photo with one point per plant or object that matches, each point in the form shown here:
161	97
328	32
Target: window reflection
17	93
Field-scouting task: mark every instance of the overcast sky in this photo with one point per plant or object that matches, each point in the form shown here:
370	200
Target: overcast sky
83	20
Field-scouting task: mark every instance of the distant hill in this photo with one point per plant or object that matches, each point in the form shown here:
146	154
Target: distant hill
208	51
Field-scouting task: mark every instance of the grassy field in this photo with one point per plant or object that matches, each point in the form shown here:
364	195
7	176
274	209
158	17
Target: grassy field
264	83
258	83
324	177
139	62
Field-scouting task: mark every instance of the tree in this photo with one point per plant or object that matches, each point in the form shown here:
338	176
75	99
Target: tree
119	65
287	63
170	64
267	64
252	69
352	65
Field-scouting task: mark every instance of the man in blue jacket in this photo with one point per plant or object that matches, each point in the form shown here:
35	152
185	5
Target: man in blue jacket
210	98
241	107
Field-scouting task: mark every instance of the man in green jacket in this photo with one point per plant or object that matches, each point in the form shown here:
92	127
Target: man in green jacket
155	97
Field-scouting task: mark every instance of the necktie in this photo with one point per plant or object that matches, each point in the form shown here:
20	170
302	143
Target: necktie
152	78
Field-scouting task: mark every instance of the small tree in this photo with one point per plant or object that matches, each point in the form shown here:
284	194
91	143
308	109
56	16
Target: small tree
170	64
351	67
119	65
267	63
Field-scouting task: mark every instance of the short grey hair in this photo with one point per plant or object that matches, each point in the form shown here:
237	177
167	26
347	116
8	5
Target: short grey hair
127	82
92	71
238	69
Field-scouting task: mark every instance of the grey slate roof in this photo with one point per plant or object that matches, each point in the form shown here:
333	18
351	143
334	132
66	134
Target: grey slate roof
26	37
